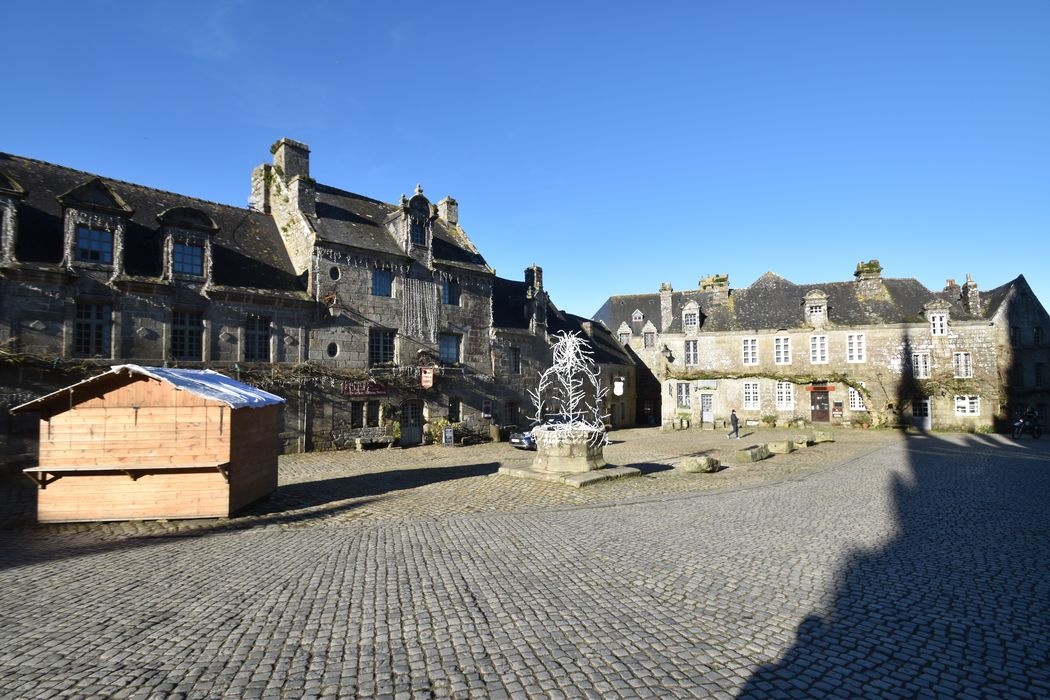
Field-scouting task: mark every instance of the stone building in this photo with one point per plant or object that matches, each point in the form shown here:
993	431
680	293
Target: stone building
871	350
376	321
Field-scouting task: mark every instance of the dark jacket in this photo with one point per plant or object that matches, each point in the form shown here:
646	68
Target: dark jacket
734	420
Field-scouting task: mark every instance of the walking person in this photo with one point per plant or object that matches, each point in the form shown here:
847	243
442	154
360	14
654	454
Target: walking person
735	423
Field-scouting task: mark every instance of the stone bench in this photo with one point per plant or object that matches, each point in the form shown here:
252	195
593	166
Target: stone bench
699	465
751	422
363	443
820	436
782	447
754	453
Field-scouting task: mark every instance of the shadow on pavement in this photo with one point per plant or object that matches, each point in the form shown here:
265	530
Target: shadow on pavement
291	505
958	602
314	493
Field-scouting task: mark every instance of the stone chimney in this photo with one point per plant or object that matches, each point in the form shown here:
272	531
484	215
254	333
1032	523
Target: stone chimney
291	159
951	287
291	162
719	284
259	200
868	276
448	209
971	298
533	280
666	313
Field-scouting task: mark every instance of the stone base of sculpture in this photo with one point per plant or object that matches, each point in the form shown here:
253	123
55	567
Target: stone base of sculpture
573	458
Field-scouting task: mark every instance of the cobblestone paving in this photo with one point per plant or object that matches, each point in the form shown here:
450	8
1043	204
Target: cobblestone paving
875	566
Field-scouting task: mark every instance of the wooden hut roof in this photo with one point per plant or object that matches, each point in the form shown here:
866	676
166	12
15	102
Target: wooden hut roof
205	383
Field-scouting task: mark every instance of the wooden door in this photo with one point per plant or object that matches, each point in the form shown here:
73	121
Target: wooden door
818	407
920	414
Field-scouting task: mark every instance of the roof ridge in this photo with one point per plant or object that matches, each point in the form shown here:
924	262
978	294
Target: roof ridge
131	184
340	190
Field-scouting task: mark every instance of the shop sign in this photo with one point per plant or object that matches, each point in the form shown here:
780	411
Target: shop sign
364	388
426	377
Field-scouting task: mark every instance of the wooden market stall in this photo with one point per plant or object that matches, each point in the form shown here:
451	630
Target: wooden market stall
152	442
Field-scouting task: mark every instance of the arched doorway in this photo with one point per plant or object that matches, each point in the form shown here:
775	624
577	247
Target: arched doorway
411	423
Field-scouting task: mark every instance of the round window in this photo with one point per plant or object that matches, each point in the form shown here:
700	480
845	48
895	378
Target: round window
333	349
333	272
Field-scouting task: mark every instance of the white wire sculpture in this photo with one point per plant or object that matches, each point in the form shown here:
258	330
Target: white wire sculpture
569	396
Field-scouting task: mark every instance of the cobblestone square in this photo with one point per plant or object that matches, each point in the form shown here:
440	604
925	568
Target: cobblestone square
881	564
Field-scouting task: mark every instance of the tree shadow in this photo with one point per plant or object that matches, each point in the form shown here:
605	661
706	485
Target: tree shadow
956	603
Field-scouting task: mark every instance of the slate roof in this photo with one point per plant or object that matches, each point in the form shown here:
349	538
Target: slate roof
247	250
772	302
205	383
509	300
605	347
353	220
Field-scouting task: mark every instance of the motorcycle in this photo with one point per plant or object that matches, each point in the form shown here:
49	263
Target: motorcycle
1022	426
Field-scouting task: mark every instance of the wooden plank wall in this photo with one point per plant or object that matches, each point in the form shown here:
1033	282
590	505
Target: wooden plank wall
253	457
197	494
146	422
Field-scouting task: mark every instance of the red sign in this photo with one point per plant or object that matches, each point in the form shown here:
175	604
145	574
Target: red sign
821	387
426	377
363	388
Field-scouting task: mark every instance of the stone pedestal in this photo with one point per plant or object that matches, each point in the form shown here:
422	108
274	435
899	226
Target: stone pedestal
571	459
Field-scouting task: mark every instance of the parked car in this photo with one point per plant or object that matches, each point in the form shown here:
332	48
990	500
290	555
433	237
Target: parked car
523	440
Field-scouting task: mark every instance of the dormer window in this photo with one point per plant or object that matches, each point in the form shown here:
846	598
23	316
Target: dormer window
187	259
95	218
936	313
188	237
815	304
419	233
690	320
637	316
94	246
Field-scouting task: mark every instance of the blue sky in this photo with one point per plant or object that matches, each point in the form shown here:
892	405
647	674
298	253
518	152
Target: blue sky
618	145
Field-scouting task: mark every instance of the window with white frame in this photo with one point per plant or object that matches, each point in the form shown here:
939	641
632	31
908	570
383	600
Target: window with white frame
938	324
920	365
625	338
637	316
785	396
967	405
856	350
692	356
782	351
961	365
683	395
690	320
818	349
750	350
856	400
649	340
751	396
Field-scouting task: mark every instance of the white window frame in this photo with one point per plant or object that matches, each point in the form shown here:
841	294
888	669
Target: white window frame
785	396
818	349
683	398
856	400
962	365
691	314
752	397
637	316
856	348
782	350
692	352
939	324
920	365
967	405
749	351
